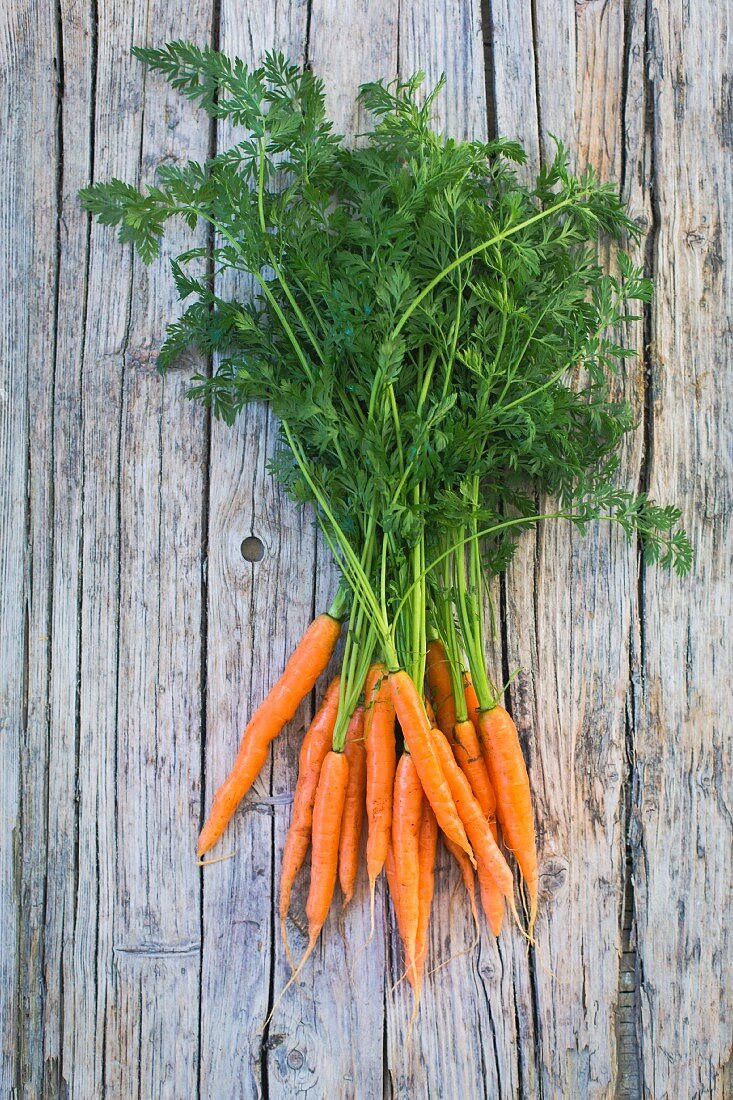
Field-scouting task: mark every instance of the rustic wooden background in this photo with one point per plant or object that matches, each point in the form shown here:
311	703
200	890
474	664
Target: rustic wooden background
135	637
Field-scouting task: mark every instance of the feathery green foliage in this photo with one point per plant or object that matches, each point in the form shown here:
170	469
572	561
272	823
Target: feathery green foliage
434	335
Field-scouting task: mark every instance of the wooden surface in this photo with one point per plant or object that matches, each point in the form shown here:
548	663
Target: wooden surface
134	637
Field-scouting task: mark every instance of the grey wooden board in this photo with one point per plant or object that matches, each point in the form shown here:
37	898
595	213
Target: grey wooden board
134	637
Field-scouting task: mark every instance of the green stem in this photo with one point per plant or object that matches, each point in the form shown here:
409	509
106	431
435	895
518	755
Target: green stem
465	256
271	254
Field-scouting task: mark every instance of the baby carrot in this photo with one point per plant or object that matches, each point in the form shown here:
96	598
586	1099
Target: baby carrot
416	731
508	774
307	662
316	744
381	760
353	816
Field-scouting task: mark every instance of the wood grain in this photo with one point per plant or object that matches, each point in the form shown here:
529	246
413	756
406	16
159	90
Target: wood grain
28	255
135	638
683	822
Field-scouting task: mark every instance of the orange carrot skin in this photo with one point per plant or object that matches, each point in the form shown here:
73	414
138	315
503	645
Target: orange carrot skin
491	896
381	761
426	883
406	821
466	869
316	744
353	816
394	890
477	827
491	899
473	707
441	686
416	730
467	751
307	662
509	778
327	814
472	703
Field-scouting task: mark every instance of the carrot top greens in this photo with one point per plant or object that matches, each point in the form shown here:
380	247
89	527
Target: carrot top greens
435	337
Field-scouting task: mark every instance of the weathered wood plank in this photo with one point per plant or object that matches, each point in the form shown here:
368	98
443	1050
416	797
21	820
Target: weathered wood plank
28	255
126	990
683	829
570	606
464	1042
256	614
153	981
75	54
331	1022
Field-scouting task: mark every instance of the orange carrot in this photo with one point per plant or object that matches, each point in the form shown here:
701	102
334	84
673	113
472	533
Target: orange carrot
381	760
508	774
327	814
305	665
441	686
426	883
473	707
462	735
464	866
477	827
491	896
353	817
406	820
467	751
472	703
416	731
394	890
316	744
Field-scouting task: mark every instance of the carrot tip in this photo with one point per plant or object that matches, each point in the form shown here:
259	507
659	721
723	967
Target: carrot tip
286	942
293	978
217	859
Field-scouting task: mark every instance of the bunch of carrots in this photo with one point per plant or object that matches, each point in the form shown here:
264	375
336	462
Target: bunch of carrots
437	340
461	770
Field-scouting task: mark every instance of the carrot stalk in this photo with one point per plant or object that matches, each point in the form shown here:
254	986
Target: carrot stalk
307	662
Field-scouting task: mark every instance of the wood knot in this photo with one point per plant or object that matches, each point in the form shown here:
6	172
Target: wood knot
553	877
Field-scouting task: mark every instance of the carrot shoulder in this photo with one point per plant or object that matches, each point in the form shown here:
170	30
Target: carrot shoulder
441	685
305	665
